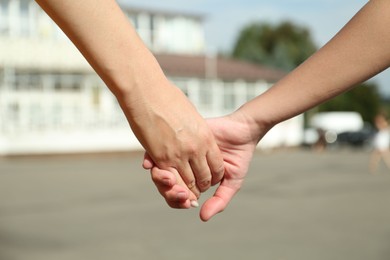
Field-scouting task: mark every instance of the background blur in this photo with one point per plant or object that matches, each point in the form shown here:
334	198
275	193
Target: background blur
294	205
51	101
71	185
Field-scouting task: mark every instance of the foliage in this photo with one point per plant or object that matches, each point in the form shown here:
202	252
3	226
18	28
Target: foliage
282	46
285	46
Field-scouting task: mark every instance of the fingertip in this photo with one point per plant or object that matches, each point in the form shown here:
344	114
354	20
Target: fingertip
148	163
179	205
194	204
210	208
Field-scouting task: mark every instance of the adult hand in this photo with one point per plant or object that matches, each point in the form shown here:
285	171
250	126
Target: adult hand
162	118
171	186
174	135
237	141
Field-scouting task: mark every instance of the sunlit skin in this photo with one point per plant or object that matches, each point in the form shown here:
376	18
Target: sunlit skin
358	52
164	121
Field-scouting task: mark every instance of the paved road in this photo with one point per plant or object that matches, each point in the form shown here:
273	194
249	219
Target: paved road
295	205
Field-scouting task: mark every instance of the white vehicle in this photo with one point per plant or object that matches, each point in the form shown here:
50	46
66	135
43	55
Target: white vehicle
331	124
337	122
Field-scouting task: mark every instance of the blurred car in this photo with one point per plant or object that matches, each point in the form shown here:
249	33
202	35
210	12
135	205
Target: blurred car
361	138
338	129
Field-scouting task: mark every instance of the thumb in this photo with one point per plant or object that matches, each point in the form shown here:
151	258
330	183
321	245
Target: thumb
219	201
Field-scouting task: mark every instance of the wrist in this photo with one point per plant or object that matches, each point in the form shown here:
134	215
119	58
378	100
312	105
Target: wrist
138	74
256	128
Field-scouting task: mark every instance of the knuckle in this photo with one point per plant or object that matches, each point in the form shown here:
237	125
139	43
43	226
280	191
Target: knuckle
191	184
192	149
161	158
155	179
218	174
204	184
193	188
160	180
167	159
219	171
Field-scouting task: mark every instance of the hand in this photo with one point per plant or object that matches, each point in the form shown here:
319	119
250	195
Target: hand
237	140
163	120
175	136
171	186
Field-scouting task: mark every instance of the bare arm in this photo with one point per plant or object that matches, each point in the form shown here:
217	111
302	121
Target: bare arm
166	124
359	51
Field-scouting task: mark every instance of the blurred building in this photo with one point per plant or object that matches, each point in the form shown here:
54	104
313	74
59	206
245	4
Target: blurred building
52	101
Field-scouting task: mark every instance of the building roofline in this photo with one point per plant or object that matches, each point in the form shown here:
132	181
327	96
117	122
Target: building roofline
140	9
227	69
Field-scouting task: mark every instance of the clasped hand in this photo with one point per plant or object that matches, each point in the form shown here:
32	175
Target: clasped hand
236	142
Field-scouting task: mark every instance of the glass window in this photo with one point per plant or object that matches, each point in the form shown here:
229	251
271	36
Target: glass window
67	82
4	24
229	98
24	18
13	112
96	96
182	85
21	82
206	96
2	79
36	115
152	27
56	114
31	81
133	19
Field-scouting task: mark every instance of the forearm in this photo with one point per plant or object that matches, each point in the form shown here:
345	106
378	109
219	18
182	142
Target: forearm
359	51
161	117
107	40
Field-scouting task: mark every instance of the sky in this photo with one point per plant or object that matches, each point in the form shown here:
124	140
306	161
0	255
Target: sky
224	19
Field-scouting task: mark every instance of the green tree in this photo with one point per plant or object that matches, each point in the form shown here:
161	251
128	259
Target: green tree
282	46
364	99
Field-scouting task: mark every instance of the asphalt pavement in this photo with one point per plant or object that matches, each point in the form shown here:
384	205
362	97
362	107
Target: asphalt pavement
295	205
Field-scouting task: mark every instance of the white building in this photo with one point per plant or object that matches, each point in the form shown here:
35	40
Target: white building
52	101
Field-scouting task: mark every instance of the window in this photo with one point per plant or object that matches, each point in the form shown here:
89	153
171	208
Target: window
205	96
182	85
133	19
13	112
27	81
4	14
229	98
152	28
2	79
36	116
56	114
70	83
24	18
96	96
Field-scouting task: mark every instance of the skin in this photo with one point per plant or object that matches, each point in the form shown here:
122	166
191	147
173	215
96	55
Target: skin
168	126
237	149
358	52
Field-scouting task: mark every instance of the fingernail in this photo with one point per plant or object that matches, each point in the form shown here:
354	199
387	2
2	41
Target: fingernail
167	181
205	184
182	196
194	204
